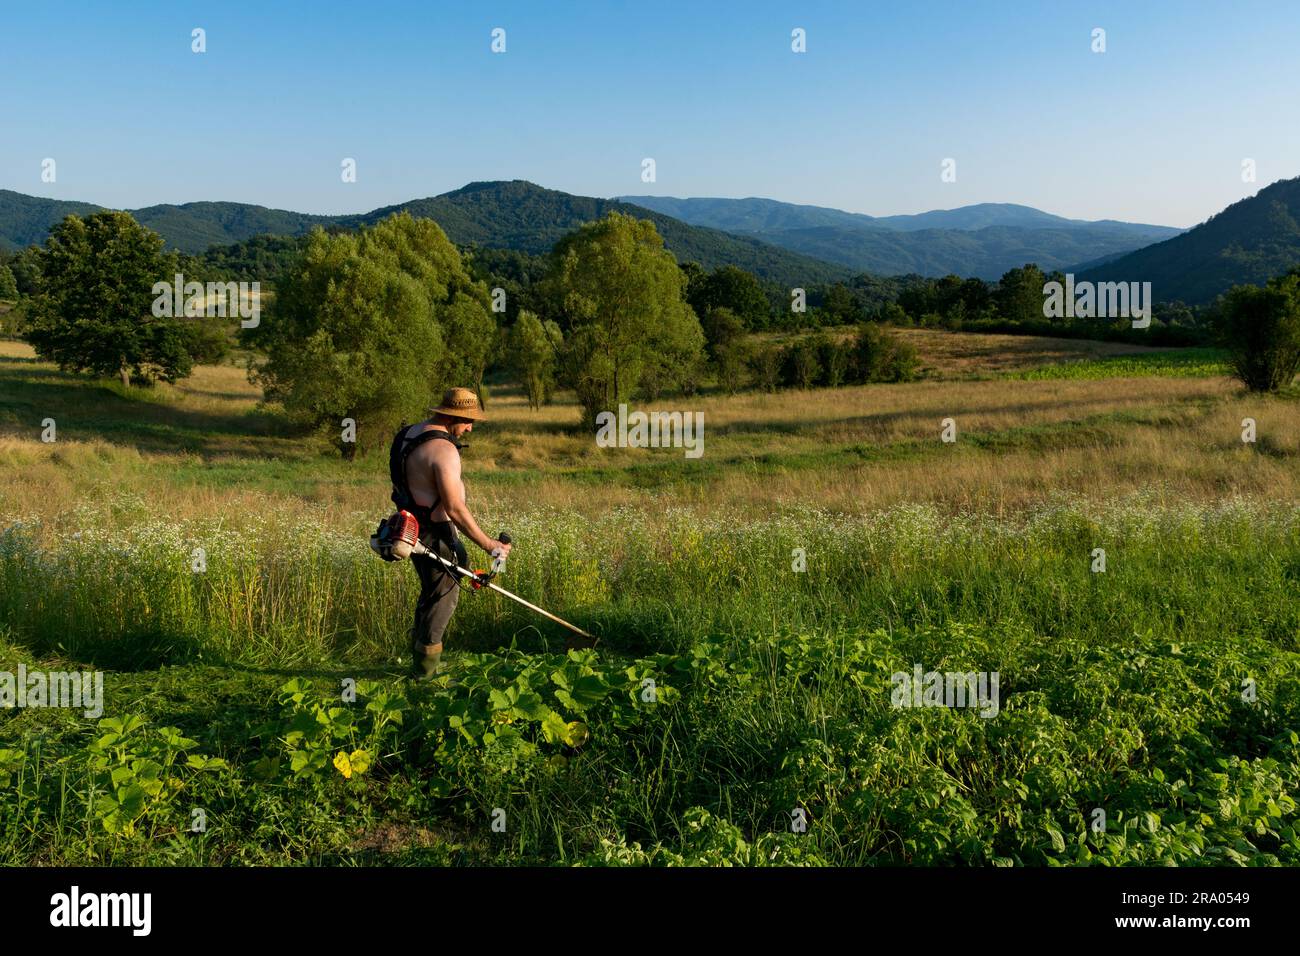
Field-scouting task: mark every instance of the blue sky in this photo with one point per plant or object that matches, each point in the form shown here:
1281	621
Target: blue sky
1153	130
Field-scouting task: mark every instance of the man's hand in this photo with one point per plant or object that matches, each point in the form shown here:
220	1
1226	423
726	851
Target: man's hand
499	545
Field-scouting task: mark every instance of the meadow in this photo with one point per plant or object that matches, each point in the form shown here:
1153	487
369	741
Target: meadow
737	710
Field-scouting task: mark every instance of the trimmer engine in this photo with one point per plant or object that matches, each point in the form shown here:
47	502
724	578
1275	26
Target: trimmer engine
396	536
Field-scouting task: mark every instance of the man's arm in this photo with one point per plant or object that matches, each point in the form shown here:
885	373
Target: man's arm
451	492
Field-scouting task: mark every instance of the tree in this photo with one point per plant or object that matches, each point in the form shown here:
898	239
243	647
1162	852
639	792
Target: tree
841	306
1019	295
8	285
356	330
531	353
26	267
729	287
94	311
894	314
1261	329
471	338
724	334
721	328
621	293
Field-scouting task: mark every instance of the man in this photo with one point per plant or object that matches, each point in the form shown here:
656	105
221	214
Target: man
428	460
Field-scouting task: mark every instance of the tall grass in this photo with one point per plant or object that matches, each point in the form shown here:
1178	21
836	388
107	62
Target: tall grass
282	591
1120	689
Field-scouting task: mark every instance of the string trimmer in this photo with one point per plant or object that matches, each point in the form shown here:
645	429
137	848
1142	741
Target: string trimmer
398	538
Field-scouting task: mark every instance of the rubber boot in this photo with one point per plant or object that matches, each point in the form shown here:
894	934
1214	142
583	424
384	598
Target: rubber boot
425	663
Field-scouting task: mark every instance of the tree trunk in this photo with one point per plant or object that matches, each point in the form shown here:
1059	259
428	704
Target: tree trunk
126	375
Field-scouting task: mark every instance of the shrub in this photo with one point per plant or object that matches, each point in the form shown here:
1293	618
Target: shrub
1260	327
879	356
765	363
801	365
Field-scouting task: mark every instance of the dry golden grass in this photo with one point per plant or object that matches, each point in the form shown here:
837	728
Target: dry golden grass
958	355
855	449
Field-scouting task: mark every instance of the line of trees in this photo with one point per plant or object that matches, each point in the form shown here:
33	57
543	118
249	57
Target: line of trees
370	326
1014	305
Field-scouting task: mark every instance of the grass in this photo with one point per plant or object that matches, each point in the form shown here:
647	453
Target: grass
1162	690
210	446
782	680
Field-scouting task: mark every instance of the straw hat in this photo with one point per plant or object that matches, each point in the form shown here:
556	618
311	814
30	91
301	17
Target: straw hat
460	403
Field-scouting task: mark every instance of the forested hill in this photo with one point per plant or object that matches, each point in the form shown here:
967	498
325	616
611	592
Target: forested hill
982	240
521	215
1249	242
26	220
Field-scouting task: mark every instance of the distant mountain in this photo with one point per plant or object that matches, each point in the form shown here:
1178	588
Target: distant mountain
520	215
983	240
1249	242
507	215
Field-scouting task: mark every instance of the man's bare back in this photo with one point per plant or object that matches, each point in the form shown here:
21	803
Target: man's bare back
424	466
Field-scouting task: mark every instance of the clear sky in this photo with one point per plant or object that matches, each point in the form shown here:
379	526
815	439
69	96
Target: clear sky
1152	130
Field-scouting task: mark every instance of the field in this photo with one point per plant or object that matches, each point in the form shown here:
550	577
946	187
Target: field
736	710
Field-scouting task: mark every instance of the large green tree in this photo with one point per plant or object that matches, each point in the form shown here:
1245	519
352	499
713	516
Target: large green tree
94	310
1261	329
1019	296
621	294
357	330
8	285
729	287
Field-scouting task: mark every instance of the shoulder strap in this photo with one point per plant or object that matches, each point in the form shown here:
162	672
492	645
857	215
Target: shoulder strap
399	452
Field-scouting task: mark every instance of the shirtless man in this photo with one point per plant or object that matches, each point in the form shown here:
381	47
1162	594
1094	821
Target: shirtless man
437	499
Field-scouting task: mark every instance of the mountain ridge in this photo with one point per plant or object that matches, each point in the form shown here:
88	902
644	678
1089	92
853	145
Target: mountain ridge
513	214
1247	242
983	239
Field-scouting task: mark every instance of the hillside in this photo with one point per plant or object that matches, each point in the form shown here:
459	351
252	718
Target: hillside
1249	242
520	215
195	226
27	219
983	240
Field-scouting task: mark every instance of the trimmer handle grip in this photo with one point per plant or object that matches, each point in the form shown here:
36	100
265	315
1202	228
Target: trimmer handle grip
498	559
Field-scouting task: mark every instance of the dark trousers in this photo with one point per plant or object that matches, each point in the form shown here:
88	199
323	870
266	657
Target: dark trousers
439	590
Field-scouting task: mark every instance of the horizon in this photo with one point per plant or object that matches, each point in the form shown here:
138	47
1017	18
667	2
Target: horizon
628	198
582	94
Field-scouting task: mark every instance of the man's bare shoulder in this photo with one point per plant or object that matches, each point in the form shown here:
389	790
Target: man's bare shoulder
443	452
436	452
